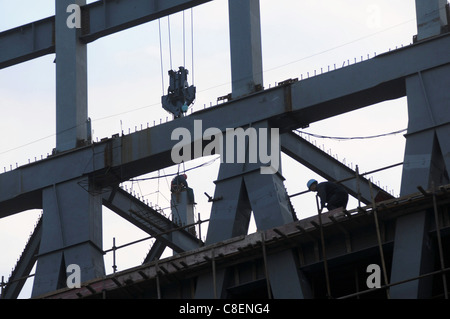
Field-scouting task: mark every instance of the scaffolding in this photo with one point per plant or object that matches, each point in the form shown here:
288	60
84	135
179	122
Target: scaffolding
336	270
329	251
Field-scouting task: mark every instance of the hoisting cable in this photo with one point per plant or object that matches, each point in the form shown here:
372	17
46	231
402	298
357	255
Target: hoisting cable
173	174
192	43
184	168
184	43
170	42
161	56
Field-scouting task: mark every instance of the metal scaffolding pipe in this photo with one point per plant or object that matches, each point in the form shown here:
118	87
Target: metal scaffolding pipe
380	245
438	235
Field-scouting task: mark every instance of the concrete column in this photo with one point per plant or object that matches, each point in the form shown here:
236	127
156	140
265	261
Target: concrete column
71	79
182	206
71	234
245	45
426	161
427	153
431	17
241	189
241	186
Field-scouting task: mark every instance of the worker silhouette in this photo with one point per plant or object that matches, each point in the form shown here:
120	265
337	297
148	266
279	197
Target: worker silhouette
332	195
179	183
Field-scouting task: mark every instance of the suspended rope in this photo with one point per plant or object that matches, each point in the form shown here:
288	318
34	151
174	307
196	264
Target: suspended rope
192	44
170	42
161	56
350	138
174	174
184	42
184	168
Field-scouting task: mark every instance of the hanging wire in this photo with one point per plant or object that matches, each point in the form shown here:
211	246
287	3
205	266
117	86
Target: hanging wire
351	138
184	42
173	174
170	42
161	56
184	168
192	43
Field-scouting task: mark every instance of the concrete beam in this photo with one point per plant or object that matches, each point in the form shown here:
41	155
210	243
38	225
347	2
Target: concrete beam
27	42
99	19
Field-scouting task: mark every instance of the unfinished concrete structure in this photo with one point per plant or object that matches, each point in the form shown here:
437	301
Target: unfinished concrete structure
408	236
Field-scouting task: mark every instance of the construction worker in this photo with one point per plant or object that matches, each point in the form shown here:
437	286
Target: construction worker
331	195
178	183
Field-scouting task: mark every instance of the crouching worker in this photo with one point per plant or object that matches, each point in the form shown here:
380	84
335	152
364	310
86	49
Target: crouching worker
331	195
179	184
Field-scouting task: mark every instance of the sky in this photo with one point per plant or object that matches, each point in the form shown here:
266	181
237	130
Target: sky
126	81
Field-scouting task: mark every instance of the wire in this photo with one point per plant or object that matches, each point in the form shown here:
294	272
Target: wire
184	42
351	138
161	56
192	43
173	174
170	42
338	46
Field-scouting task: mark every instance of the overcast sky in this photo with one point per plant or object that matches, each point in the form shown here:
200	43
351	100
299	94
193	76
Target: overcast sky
126	84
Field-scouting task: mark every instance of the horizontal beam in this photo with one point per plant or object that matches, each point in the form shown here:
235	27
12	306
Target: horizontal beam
27	42
109	16
289	106
99	19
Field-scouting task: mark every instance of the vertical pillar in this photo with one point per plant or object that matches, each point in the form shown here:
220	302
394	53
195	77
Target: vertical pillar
426	161
71	234
243	189
431	17
245	46
71	79
241	186
182	206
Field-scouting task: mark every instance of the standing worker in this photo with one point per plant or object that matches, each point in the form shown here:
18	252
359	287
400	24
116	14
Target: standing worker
331	195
